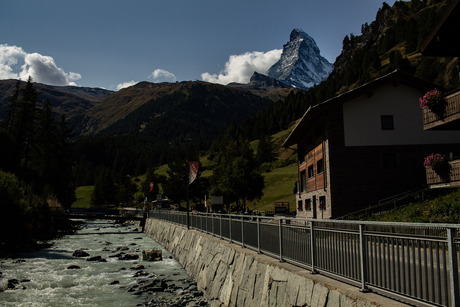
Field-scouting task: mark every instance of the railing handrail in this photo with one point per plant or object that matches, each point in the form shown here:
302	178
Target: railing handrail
327	221
397	196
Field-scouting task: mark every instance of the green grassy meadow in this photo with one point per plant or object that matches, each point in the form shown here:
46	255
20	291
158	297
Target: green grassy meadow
83	195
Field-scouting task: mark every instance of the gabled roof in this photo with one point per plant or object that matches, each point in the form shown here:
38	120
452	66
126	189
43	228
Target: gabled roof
443	41
394	77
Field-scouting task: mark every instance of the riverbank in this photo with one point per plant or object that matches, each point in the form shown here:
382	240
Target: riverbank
14	248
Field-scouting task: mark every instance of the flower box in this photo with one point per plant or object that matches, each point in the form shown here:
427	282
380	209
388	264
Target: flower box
434	101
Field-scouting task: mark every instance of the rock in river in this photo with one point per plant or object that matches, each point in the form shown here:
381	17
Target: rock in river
152	255
80	253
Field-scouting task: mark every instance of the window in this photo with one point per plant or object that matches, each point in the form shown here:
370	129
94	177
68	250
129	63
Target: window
319	166
310	171
318	132
387	122
301	152
303	181
389	160
322	203
308	204
299	205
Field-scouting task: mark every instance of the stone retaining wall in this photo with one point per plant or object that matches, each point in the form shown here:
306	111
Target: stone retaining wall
230	275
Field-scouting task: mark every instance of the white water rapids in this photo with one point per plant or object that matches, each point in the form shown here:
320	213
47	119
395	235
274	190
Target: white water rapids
46	280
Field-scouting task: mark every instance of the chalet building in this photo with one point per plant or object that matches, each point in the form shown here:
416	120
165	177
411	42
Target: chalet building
444	42
363	146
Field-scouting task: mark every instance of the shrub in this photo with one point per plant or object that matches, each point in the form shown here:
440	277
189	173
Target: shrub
11	207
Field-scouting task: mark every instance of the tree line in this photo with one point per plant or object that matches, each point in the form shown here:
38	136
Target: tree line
35	167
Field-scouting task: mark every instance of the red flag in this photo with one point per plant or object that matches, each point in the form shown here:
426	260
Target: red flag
151	186
193	171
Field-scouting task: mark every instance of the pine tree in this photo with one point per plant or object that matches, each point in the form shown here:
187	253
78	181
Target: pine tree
237	176
23	127
266	150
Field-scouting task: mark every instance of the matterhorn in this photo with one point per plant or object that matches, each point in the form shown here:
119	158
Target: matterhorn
301	64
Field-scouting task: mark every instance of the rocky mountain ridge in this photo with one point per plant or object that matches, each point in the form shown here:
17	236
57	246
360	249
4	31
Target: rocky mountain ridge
301	64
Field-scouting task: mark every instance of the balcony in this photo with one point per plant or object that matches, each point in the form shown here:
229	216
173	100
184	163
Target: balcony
450	120
451	178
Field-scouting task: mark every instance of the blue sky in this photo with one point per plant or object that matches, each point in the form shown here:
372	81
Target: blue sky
114	43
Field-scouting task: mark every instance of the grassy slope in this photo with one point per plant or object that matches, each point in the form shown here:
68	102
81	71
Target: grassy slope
279	184
83	195
442	209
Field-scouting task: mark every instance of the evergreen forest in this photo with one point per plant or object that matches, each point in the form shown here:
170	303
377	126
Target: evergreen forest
35	169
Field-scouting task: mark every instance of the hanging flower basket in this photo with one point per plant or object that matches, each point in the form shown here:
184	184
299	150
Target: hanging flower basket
434	101
438	163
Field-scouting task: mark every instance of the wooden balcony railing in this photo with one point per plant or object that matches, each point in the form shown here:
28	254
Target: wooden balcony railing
451	114
450	178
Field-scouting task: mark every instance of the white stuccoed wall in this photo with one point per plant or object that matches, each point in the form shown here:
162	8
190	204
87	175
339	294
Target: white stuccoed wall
230	275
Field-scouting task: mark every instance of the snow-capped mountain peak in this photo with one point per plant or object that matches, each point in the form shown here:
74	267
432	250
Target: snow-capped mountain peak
301	64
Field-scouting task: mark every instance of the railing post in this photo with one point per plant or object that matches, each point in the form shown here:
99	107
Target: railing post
453	265
212	224
220	225
258	235
280	234
230	227
362	259
312	249
242	231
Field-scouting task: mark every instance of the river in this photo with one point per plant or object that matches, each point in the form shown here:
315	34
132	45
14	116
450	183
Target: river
54	277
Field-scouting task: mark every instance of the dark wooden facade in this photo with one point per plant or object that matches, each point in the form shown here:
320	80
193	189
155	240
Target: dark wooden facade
351	178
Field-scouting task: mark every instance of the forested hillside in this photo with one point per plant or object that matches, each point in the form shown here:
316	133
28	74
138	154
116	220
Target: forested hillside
69	101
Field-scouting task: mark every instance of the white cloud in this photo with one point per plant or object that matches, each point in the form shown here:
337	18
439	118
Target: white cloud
126	84
10	59
240	68
15	63
161	75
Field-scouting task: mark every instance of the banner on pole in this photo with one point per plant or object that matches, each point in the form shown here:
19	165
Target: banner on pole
193	171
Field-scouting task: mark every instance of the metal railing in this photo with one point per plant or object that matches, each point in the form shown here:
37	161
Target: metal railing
385	204
415	261
105	213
